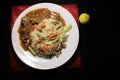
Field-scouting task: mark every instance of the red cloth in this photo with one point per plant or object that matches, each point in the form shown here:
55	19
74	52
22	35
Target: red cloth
16	10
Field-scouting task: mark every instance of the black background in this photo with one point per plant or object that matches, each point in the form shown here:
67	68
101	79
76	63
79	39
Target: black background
98	42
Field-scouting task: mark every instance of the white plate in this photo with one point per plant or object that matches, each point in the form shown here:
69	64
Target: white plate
40	63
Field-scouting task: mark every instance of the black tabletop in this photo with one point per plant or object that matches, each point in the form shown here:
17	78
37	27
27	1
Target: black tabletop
96	40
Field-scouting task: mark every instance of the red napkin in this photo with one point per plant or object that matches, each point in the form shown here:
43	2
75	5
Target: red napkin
15	63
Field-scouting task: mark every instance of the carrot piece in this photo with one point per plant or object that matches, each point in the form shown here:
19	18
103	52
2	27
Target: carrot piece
37	42
43	49
30	41
31	28
52	35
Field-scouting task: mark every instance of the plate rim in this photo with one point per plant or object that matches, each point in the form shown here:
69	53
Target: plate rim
16	52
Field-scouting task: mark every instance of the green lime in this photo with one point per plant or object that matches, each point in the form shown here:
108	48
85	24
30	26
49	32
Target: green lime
84	18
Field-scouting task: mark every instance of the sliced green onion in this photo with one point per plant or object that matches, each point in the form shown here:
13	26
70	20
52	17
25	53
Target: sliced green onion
58	27
55	23
32	50
68	28
53	38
